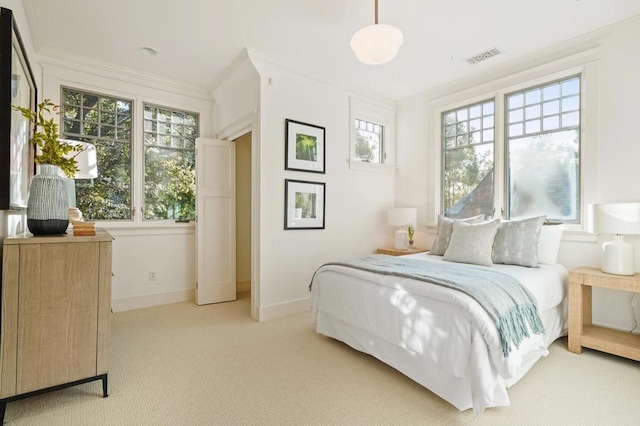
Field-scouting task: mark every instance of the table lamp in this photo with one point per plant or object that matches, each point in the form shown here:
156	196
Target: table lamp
402	218
617	219
87	169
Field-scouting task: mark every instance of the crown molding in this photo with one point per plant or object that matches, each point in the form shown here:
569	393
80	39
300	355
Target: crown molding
126	75
229	70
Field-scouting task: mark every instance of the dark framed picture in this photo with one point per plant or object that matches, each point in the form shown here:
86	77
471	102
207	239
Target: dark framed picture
304	147
303	204
17	87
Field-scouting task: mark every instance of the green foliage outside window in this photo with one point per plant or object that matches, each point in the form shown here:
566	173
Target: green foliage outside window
364	148
306	147
169	185
105	122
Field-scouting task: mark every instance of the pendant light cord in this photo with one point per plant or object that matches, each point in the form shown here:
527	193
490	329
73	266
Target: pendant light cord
376	12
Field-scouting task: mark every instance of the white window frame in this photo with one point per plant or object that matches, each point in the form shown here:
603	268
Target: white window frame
379	114
143	157
586	65
137	225
133	115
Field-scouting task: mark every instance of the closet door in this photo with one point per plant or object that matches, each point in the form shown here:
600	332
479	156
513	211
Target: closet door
216	221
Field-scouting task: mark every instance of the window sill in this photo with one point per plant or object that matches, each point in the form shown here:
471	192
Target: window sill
142	229
371	167
576	233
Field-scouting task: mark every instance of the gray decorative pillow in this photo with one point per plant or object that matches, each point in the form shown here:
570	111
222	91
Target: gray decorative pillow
516	242
445	227
472	243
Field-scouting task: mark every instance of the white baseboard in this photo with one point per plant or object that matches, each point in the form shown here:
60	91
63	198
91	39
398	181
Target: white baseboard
283	309
243	286
138	302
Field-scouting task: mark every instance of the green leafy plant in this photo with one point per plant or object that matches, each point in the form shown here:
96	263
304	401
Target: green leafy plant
47	138
411	231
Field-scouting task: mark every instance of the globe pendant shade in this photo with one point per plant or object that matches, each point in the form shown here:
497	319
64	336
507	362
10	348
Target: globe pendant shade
376	44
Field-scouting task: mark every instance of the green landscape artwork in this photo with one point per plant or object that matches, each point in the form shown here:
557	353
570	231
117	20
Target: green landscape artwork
306	147
305	205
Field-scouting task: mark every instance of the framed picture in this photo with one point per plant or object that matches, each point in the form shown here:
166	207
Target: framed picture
304	146
303	204
17	87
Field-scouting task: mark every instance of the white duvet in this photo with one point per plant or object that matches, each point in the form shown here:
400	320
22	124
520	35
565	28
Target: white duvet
439	337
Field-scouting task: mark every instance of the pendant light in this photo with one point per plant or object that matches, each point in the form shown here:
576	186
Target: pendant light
376	44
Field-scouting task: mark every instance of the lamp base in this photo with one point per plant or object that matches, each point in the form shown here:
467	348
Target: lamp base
75	215
402	239
617	257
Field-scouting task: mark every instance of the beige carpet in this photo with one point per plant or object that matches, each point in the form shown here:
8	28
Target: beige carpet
213	365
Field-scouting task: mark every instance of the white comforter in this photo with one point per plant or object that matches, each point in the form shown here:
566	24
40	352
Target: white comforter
391	317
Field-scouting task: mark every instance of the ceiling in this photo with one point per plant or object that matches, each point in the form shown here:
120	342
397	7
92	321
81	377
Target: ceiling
197	40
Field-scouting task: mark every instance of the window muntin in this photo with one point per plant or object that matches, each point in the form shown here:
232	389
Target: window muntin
369	144
104	121
169	155
468	135
543	145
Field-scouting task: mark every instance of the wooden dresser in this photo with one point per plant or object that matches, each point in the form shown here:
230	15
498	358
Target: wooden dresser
55	313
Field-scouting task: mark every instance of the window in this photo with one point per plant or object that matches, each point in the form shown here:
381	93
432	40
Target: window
104	121
169	163
165	159
543	134
468	134
369	141
541	147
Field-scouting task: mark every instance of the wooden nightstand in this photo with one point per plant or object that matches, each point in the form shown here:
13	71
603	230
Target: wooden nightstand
394	252
582	333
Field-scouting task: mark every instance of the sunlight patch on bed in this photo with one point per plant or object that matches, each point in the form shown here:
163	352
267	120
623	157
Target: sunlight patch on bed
419	332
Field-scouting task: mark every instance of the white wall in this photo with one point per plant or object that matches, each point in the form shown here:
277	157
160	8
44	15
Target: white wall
356	201
613	150
237	96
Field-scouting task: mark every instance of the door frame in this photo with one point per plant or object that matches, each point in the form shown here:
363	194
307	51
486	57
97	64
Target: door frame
249	123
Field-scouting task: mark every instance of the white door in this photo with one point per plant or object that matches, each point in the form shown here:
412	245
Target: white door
216	221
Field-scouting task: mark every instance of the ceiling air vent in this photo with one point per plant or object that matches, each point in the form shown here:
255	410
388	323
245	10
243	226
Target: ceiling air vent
483	56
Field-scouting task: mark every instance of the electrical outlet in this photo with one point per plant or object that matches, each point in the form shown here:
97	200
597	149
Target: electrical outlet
152	275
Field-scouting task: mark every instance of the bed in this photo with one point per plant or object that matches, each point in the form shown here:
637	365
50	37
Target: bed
440	337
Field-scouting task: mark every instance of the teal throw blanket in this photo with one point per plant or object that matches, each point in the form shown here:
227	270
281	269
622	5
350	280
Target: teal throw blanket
509	304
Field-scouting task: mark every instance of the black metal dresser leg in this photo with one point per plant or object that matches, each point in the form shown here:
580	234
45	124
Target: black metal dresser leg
104	386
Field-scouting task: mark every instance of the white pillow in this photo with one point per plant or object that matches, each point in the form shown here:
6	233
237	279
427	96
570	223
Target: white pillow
445	227
516	242
472	243
549	243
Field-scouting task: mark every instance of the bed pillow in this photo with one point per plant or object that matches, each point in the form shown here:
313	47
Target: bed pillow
472	242
516	242
549	243
443	234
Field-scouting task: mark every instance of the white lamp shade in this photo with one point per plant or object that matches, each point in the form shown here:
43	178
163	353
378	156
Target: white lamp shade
403	216
87	160
617	219
614	218
376	44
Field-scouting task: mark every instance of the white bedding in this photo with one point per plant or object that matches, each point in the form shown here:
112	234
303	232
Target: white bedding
439	337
